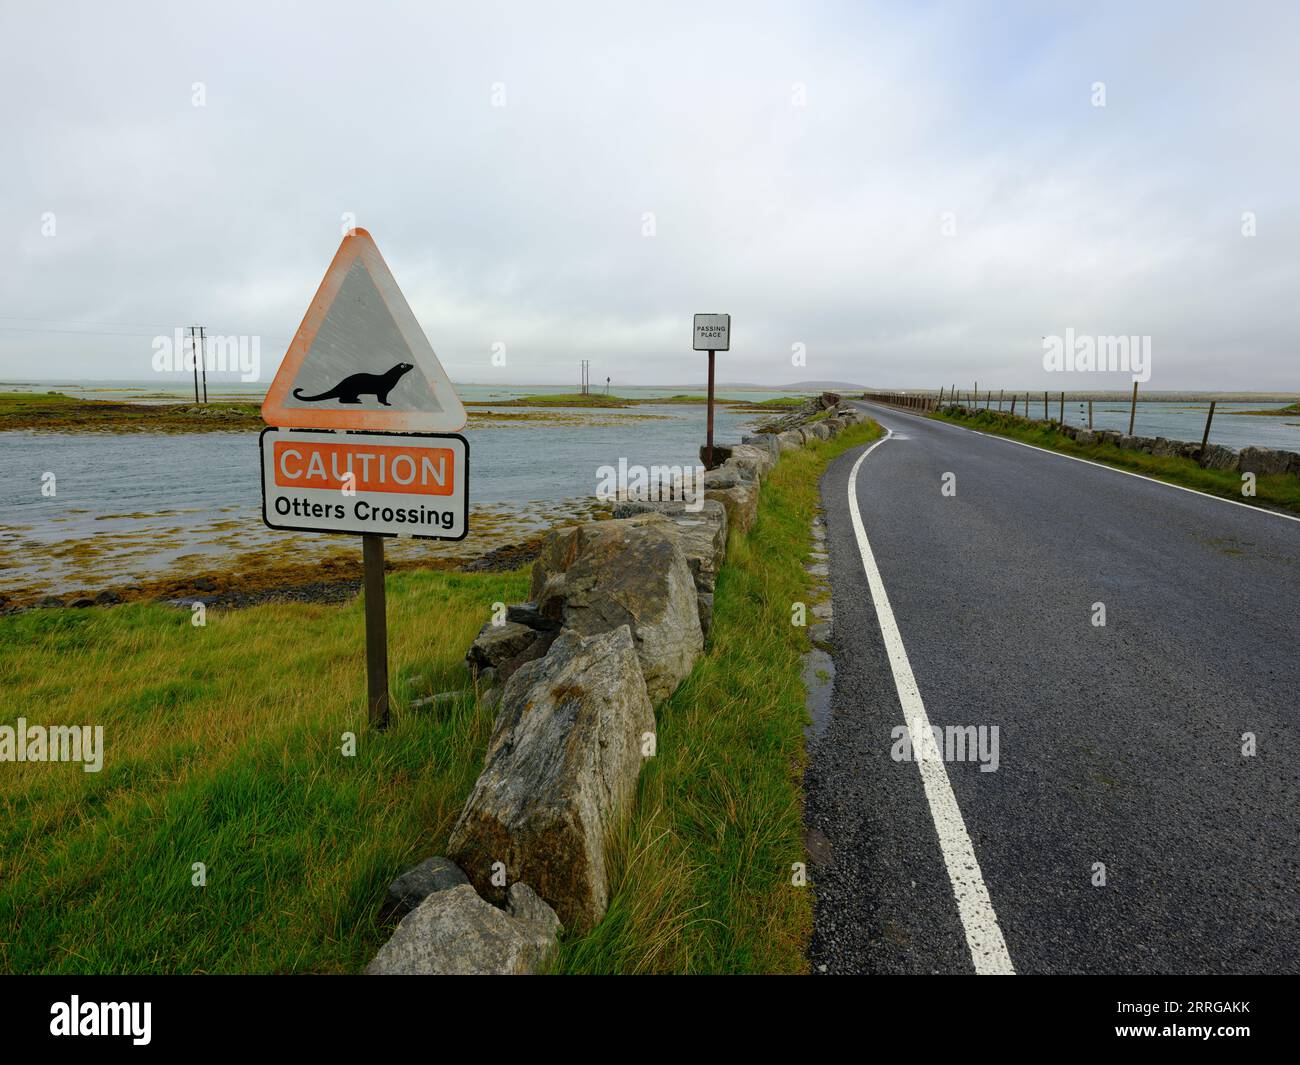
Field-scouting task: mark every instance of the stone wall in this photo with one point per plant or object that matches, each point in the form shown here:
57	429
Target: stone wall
619	613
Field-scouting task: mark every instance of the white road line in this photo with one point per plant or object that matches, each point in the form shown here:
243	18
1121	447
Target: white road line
1106	466
988	950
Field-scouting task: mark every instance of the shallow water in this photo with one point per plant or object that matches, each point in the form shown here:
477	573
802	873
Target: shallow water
135	506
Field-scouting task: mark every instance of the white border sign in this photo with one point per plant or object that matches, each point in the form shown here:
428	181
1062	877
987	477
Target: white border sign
389	484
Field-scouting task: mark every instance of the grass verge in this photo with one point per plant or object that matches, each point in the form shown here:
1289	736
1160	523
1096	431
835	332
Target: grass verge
1279	490
223	746
701	875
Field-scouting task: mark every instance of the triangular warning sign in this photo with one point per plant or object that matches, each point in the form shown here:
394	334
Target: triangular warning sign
360	359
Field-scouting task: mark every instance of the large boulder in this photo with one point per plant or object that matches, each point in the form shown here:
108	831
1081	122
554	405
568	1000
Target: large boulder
561	769
759	460
764	442
599	575
725	476
741	501
791	440
454	932
702	534
1218	457
1262	461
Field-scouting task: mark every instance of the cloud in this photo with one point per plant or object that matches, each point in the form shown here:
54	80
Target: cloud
798	162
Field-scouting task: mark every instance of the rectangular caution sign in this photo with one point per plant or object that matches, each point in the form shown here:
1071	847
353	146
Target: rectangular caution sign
408	484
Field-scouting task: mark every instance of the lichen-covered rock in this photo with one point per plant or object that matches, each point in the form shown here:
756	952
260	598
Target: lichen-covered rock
1262	461
495	644
791	440
597	576
505	647
725	476
561	769
454	932
764	442
741	501
747	457
1218	457
701	533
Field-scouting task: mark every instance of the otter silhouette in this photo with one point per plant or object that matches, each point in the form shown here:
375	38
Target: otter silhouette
353	387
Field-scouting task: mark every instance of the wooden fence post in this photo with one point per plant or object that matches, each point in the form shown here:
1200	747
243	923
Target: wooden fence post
1133	410
1205	437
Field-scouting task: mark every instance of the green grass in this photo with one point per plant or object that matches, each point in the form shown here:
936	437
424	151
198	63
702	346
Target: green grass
223	747
56	411
701	875
782	402
1294	408
1277	490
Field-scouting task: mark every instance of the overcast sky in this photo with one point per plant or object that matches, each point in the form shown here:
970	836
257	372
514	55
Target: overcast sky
798	160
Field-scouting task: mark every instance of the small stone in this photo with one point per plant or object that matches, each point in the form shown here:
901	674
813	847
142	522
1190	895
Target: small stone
456	933
417	883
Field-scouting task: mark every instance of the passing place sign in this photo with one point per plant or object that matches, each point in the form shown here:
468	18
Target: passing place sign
712	332
407	484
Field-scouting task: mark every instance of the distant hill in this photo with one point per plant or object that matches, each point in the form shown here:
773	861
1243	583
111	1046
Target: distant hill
797	386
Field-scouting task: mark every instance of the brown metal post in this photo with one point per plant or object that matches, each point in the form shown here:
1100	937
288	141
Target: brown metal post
708	460
1205	437
1062	408
1133	410
1045	415
1089	414
372	550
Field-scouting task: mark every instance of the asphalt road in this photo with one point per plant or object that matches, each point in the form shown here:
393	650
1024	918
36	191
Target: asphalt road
1119	744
